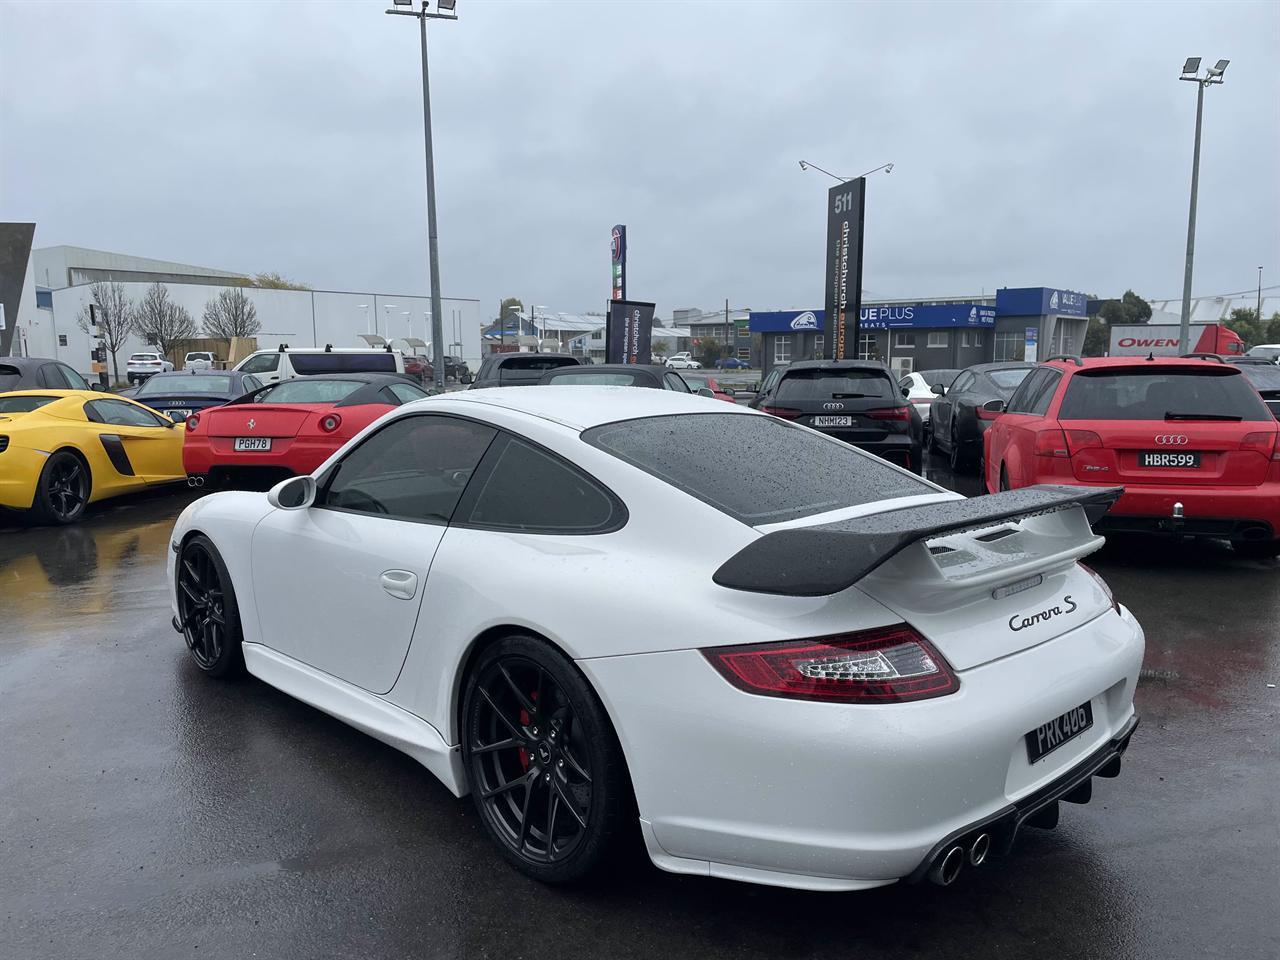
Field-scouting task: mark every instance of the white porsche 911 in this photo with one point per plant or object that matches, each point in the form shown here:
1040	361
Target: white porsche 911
601	608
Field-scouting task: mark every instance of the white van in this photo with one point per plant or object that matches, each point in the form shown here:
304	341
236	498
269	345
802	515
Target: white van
285	363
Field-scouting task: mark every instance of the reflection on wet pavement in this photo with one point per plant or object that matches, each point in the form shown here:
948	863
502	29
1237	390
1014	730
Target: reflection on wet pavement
146	811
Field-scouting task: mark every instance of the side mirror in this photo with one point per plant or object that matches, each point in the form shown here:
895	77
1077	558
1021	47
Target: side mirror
296	493
994	406
906	391
706	392
939	389
97	388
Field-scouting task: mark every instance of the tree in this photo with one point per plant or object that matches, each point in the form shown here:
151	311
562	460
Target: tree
1130	308
509	306
273	281
160	321
115	313
231	314
659	348
709	351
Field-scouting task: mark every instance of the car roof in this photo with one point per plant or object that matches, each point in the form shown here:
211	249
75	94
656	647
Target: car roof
582	407
656	369
1002	365
289	349
1094	363
873	365
23	363
62	394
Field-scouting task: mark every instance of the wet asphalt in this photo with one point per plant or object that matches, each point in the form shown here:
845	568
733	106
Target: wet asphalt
146	811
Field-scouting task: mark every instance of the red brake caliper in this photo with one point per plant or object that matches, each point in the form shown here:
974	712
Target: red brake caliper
524	722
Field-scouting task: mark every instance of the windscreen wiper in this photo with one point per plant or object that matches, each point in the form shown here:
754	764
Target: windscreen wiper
852	396
1170	415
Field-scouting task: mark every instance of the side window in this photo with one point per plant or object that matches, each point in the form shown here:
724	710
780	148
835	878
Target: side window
674	382
415	468
74	380
262	363
250	384
770	381
1044	394
51	377
121	414
1020	402
964	383
527	489
406	392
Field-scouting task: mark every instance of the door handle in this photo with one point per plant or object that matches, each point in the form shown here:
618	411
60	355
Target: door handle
401	584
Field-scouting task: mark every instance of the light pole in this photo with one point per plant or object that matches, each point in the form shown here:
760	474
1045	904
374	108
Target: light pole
365	308
444	10
806	165
388	307
1191	72
1259	296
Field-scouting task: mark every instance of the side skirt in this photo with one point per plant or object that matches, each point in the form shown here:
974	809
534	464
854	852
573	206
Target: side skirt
365	711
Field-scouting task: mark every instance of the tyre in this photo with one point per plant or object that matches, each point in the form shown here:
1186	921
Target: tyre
959	457
931	441
62	492
208	614
1257	549
1004	479
544	765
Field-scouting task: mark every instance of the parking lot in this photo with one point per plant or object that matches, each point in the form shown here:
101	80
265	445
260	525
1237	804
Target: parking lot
147	811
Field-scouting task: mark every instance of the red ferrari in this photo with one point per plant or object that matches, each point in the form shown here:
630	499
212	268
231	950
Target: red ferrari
287	428
1191	441
697	381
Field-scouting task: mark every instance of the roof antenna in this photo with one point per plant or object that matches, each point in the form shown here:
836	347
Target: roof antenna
1151	355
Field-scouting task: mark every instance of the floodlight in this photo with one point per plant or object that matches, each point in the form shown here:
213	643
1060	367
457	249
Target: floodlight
1218	68
1191	66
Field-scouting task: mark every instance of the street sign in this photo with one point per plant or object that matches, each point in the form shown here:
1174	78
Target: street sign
843	257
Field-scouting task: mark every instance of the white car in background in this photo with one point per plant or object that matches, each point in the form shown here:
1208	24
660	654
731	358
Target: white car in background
142	365
285	363
857	677
919	388
198	360
683	361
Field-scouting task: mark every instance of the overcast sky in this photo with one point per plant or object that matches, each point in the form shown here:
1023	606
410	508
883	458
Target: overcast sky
1034	144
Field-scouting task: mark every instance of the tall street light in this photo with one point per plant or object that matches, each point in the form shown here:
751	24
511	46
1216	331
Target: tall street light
806	165
1191	72
443	10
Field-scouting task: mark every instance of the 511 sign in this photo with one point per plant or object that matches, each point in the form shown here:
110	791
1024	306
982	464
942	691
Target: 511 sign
843	298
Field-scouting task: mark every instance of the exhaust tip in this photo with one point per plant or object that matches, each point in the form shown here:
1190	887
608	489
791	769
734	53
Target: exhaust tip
195	481
947	868
979	849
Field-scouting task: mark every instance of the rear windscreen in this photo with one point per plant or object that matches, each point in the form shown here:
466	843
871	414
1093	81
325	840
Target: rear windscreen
757	469
939	377
373	362
536	363
10	377
1008	381
23	404
1262	376
598	379
184	385
1190	393
835	385
309	391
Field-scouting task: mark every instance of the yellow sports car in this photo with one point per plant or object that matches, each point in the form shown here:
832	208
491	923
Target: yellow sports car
61	450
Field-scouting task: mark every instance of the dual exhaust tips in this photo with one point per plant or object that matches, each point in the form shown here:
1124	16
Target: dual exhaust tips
947	867
195	480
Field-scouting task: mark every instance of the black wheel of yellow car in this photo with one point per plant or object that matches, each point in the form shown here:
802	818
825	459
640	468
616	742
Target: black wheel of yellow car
543	762
62	492
208	614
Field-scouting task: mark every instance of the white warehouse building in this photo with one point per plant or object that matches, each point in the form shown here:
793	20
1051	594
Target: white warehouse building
59	282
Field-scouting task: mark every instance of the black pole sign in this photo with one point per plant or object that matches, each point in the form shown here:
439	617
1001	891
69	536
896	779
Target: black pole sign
628	332
843	300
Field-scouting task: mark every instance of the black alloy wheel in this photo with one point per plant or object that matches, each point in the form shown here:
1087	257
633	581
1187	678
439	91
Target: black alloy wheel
63	490
207	611
955	456
542	760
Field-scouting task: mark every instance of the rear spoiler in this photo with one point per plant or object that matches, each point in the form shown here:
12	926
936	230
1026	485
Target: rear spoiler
825	559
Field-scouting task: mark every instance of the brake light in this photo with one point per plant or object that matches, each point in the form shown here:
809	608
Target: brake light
786	413
1263	442
1051	443
890	413
885	665
1106	587
193	421
1083	440
330	422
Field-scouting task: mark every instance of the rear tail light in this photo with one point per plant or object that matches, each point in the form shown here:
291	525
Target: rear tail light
1051	443
885	665
786	413
1106	587
1263	442
330	422
890	413
193	421
1083	440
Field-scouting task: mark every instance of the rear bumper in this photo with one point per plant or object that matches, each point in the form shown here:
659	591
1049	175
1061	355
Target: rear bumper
202	456
19	473
1232	512
898	448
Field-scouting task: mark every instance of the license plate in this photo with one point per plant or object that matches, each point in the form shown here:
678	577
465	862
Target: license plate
252	443
1048	737
1183	458
833	421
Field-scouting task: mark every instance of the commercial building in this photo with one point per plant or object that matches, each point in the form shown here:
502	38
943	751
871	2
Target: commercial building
938	333
61	278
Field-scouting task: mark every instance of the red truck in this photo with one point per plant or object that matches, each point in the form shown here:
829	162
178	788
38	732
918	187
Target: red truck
1161	340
